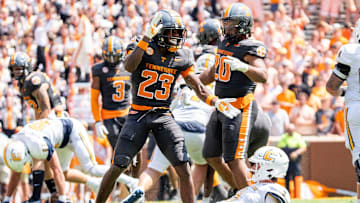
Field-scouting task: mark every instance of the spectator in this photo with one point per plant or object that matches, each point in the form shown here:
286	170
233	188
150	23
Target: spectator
279	119
294	146
303	116
286	98
325	117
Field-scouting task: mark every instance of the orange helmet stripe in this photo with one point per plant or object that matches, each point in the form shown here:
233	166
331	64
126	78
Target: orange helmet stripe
110	44
227	11
12	61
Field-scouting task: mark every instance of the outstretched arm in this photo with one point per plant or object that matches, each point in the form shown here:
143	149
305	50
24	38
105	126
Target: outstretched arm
42	98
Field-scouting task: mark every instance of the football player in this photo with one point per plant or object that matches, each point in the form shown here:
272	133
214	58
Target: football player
66	136
35	87
347	69
155	64
113	83
268	164
239	65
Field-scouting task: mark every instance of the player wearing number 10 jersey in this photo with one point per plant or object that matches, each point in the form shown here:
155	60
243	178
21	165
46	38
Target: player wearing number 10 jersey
113	83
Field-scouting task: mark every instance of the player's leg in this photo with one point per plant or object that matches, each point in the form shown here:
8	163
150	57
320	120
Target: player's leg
352	139
212	150
236	133
170	140
132	138
194	143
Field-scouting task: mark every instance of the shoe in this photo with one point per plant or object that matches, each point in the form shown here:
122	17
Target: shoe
134	196
133	184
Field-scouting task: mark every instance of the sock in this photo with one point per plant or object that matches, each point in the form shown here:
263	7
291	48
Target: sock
38	178
50	184
92	181
123	178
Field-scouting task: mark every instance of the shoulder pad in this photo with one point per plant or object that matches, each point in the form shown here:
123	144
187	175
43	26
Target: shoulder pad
34	81
347	52
97	69
254	47
36	145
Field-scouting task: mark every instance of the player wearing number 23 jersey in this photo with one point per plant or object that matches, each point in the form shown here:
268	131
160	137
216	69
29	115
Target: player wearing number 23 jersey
156	63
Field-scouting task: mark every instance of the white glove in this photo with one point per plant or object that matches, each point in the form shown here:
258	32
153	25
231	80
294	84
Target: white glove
236	65
101	130
152	28
224	106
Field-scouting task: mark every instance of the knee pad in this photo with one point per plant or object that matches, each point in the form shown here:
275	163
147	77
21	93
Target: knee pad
357	170
122	161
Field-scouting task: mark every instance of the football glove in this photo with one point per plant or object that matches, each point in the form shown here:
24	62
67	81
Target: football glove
224	106
236	65
152	28
101	130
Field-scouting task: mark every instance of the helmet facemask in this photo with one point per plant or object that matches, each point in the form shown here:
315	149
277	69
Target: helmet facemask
236	28
171	38
20	66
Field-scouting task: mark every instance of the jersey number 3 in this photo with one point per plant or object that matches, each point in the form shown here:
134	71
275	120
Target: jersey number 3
153	77
119	92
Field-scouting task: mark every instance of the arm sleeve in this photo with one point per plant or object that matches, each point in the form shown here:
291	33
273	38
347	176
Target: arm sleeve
95	108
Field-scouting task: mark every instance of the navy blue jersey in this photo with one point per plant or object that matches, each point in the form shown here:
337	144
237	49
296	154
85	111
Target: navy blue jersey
114	86
233	84
154	79
33	82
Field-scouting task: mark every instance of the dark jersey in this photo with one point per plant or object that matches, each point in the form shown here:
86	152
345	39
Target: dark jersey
34	81
204	49
235	83
154	79
114	86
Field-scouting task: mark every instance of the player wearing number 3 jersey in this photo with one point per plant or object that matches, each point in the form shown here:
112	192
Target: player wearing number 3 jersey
113	83
239	65
155	64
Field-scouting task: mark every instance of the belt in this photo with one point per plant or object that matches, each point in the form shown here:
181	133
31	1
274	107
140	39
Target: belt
242	102
147	108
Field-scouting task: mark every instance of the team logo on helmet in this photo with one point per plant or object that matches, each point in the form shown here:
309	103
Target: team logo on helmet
36	80
149	51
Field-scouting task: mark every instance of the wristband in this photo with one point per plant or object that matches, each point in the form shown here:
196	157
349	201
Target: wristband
209	98
142	45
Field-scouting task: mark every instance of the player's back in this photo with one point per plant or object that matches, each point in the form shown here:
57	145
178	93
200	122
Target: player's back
53	129
33	82
349	54
258	192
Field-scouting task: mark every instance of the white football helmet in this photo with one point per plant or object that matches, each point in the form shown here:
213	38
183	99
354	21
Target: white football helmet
16	155
271	162
356	31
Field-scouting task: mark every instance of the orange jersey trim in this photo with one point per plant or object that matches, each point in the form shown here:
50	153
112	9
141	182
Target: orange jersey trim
108	114
186	72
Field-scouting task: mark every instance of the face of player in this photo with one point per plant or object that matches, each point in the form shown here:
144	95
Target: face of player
18	71
229	26
175	36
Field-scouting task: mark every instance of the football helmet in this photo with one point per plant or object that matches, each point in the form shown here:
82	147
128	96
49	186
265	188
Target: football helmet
210	30
271	162
237	21
22	61
112	51
356	30
173	32
16	155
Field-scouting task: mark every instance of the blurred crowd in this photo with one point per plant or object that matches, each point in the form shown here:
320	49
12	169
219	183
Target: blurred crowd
64	39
